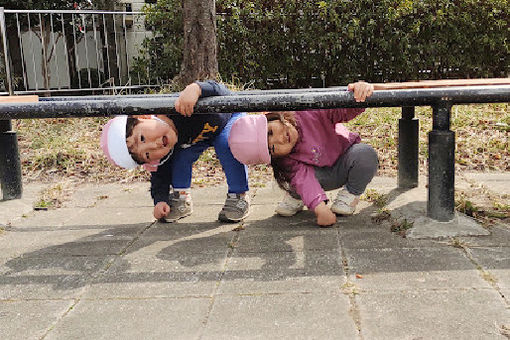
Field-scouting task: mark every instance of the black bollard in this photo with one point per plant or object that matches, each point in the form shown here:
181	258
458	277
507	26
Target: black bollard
10	167
408	129
441	198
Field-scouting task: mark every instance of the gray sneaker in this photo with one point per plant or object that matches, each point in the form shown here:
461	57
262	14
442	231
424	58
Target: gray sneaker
179	207
236	208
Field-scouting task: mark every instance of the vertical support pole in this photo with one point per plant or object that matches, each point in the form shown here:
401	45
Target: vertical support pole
7	59
408	130
10	168
441	198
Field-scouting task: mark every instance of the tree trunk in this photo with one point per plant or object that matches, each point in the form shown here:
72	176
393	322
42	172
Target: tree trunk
199	56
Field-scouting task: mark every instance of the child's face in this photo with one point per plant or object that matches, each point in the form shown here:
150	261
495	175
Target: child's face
151	140
281	138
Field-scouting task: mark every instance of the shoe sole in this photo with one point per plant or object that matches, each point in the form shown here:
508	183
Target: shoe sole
223	218
174	219
287	214
342	213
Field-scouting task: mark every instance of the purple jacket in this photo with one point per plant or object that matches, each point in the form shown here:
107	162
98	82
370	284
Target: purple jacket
322	140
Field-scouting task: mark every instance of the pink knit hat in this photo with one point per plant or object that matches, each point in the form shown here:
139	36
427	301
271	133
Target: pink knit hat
248	140
113	143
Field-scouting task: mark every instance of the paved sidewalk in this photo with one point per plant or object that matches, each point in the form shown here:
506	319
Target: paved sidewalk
101	268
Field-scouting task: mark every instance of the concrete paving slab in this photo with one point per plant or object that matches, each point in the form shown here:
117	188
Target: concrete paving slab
258	273
185	228
135	319
46	218
291	241
299	224
34	241
378	238
499	237
139	276
495	262
281	316
48	277
114	216
493	181
114	195
438	314
183	245
30	319
85	246
416	268
12	210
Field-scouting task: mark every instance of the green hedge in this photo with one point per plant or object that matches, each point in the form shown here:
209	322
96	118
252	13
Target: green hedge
299	43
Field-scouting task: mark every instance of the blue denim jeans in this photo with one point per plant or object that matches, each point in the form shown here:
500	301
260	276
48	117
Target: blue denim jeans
235	172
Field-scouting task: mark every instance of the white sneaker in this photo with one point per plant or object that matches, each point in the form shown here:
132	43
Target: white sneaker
345	203
289	206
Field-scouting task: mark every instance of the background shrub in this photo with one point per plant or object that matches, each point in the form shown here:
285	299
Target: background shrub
300	43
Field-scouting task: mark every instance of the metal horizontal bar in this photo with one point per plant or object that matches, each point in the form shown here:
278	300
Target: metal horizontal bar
65	11
256	103
162	95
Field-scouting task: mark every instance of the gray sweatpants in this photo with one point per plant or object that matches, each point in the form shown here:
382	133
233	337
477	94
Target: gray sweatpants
354	170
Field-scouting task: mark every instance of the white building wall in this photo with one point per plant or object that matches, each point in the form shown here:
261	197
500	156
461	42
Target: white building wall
135	34
87	56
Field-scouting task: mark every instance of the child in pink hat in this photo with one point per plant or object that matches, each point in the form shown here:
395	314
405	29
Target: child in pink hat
168	145
311	152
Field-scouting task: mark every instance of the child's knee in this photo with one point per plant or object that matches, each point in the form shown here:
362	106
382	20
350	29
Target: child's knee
367	157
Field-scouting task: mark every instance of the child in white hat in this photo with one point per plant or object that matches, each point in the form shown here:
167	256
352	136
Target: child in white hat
310	152
168	145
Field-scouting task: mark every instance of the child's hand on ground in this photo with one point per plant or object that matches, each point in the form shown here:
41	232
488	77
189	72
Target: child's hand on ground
187	99
161	210
325	217
361	90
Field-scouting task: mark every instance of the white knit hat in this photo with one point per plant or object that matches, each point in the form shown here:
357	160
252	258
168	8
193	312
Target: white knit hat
113	143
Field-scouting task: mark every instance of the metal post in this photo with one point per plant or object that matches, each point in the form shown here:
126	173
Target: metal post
408	128
10	168
7	59
441	198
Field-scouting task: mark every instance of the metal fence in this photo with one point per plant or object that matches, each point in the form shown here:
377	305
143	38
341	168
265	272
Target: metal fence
66	51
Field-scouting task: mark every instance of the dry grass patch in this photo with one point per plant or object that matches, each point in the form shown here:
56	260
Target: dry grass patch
53	196
482	133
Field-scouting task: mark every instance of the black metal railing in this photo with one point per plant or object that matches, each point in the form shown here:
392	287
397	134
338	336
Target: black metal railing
441	202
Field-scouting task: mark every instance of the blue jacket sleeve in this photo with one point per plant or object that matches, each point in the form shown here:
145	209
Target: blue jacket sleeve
161	181
212	88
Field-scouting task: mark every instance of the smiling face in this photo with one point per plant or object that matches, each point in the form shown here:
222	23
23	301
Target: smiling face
151	140
281	138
